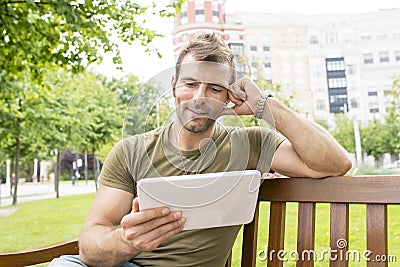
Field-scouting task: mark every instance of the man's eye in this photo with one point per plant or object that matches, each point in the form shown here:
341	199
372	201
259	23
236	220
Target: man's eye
216	89
190	84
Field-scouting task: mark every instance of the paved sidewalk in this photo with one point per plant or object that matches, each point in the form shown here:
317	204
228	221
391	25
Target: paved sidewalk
30	192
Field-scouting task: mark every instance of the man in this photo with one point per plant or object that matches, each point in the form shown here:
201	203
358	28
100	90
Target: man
204	87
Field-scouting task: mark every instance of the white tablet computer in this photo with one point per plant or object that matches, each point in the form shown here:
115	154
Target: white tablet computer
206	200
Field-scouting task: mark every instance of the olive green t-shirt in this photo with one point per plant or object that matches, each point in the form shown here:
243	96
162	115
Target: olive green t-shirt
152	155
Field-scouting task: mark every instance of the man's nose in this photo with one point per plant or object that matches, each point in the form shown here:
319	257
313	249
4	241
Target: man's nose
200	93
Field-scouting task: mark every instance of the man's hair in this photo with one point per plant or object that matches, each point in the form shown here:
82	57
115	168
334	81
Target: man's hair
208	47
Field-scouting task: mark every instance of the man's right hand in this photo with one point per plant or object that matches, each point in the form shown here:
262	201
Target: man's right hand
145	230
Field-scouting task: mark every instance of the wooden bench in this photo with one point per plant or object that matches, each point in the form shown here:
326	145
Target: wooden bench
374	191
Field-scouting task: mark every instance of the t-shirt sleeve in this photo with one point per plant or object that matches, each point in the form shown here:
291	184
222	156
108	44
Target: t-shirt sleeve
264	142
115	173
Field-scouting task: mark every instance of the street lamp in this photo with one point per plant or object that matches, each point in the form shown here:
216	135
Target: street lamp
357	139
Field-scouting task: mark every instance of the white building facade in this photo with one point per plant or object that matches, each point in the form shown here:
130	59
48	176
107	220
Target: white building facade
329	63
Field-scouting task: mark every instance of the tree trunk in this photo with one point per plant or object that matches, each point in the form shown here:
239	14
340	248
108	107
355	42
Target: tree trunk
12	174
86	169
16	171
57	175
94	168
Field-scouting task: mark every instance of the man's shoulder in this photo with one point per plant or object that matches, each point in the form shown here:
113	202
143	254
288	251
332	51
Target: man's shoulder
152	134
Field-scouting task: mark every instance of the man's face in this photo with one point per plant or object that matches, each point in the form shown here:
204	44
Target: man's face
200	93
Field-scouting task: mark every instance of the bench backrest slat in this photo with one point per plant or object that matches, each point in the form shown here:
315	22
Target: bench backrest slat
305	234
250	239
339	233
276	231
377	241
374	191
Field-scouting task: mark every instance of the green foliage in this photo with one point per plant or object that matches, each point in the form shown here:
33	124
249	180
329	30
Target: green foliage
147	105
72	34
23	116
344	132
374	138
242	121
392	119
323	123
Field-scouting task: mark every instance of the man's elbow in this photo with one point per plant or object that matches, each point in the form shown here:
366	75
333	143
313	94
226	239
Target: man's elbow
344	166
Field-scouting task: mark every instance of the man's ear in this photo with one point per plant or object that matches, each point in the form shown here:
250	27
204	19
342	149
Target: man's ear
173	83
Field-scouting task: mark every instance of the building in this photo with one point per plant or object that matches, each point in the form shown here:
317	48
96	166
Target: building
330	64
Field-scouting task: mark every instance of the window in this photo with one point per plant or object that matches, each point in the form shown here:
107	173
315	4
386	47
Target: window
317	70
267	59
397	55
297	39
368	58
337	82
253	48
333	65
184	18
199	12
215	8
366	37
351	69
354	103
346	38
381	37
200	17
265	41
338	100
199	5
332	38
373	93
320	104
373	104
284	39
384	57
313	39
237	49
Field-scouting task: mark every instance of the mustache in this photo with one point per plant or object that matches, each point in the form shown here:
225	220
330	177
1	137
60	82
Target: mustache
202	107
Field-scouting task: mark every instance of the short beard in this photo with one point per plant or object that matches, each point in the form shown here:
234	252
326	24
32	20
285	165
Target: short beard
197	129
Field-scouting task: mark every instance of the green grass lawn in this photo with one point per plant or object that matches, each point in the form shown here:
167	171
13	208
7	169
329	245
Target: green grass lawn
43	222
357	234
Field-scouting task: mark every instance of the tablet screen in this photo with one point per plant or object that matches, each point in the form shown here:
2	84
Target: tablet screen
206	200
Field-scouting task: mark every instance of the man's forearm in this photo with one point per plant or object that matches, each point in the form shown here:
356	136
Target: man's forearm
104	246
314	145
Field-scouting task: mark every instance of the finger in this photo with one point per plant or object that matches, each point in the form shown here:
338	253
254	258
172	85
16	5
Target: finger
149	226
135	205
142	216
233	96
153	239
237	90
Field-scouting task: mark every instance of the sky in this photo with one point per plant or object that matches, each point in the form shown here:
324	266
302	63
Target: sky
137	61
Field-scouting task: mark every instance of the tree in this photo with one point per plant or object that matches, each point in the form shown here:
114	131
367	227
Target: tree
21	120
145	105
392	119
36	35
344	132
374	139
